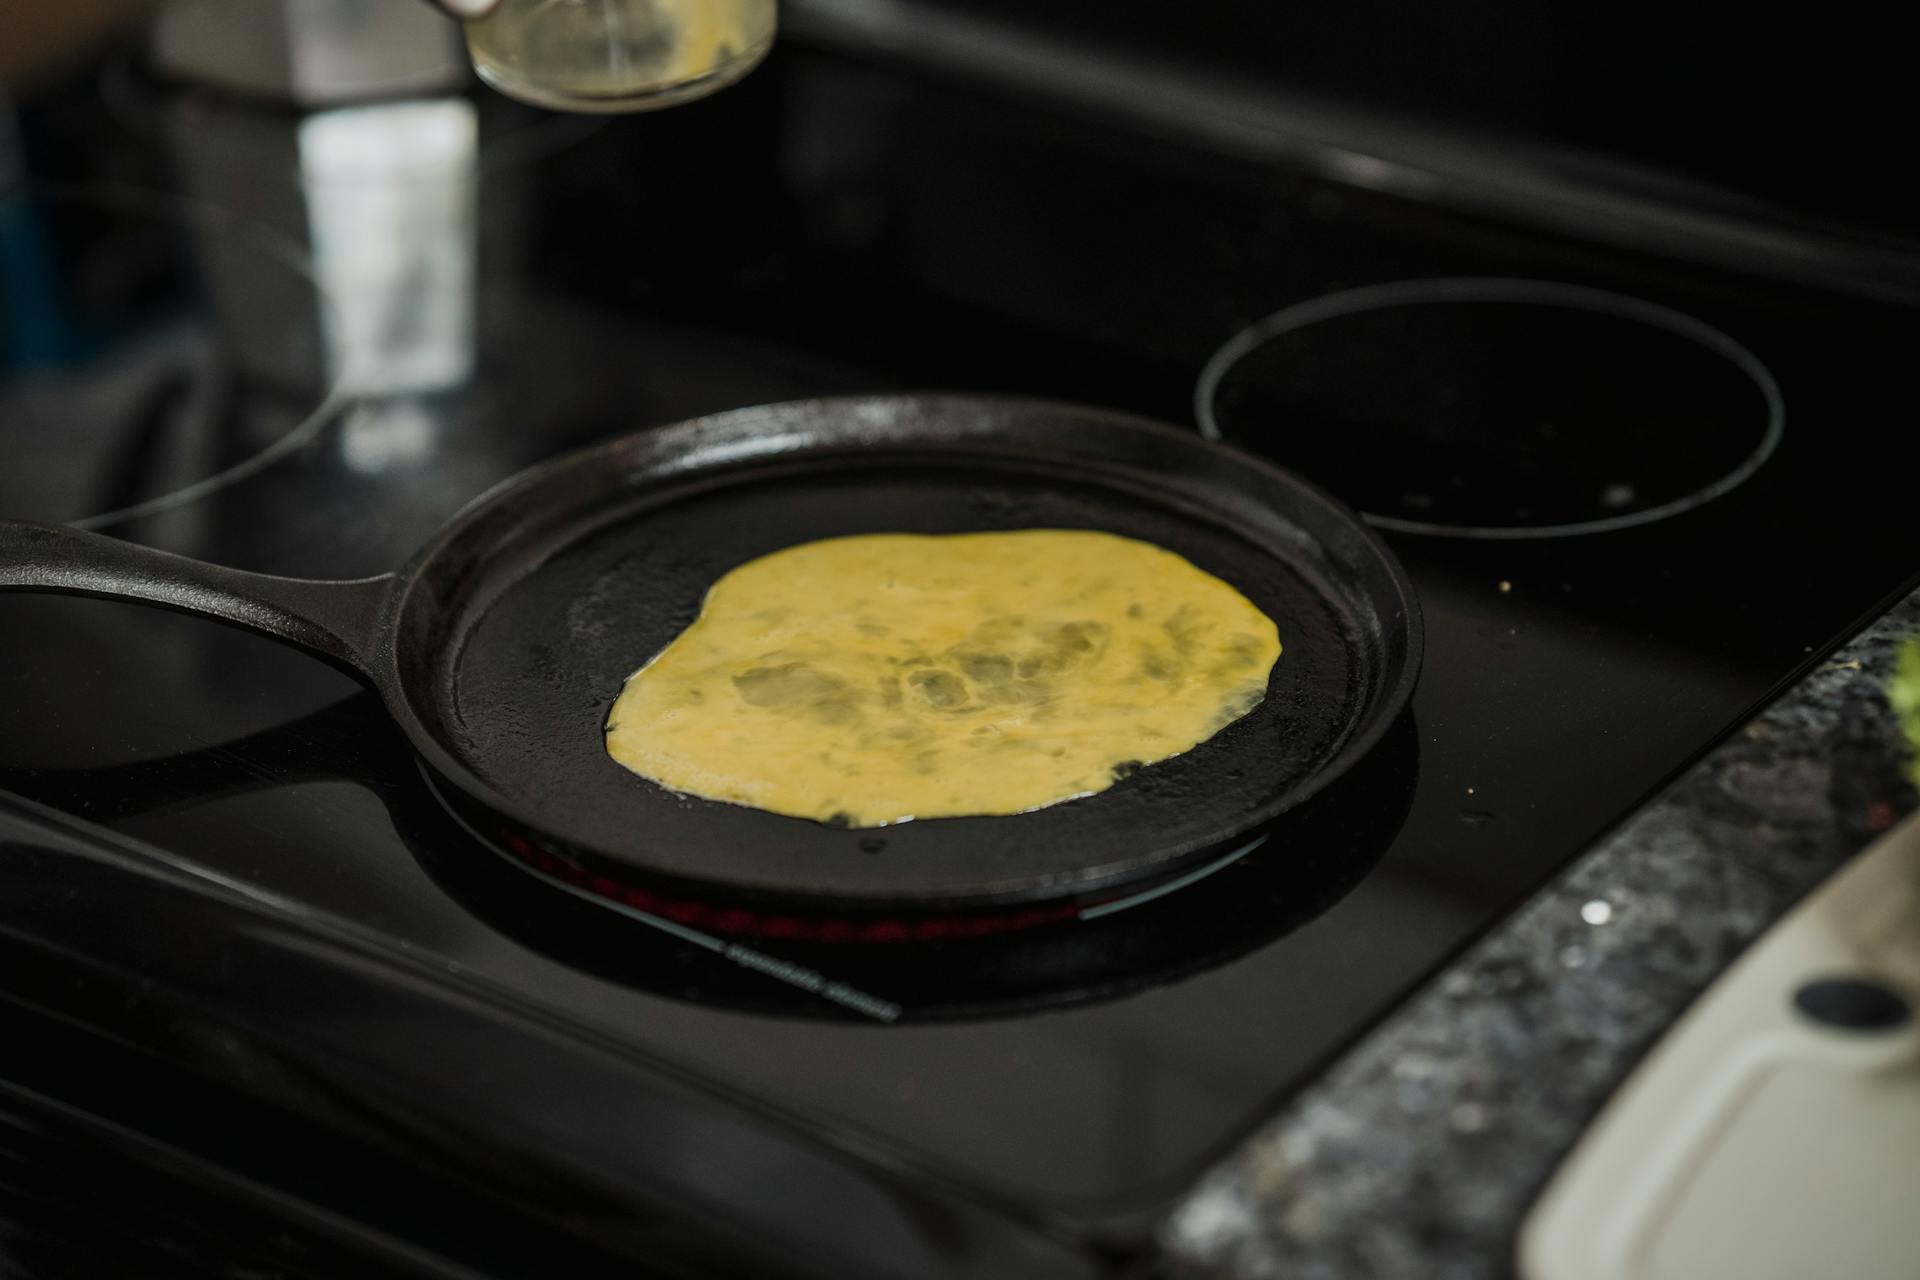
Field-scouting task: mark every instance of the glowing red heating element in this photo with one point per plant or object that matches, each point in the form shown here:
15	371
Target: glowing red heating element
761	924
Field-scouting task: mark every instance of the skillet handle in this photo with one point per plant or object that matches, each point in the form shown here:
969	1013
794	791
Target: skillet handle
338	621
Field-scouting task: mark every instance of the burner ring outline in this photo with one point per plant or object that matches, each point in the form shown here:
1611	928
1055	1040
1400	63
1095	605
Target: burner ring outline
1500	289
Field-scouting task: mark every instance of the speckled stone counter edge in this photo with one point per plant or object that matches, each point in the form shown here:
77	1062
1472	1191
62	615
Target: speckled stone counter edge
1420	1152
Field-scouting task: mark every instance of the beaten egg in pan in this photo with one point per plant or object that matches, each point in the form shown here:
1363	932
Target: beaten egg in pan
880	678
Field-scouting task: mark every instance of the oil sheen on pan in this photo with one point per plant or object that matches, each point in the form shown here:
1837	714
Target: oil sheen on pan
876	679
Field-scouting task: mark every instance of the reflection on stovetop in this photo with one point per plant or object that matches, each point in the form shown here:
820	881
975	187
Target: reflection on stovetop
125	388
831	226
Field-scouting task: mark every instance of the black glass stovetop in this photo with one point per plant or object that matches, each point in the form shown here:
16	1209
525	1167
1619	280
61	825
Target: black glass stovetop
327	332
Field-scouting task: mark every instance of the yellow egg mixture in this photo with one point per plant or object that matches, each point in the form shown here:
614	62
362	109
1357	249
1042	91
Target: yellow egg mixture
873	679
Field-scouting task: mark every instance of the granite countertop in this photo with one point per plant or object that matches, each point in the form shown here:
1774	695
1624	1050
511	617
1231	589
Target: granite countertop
1421	1151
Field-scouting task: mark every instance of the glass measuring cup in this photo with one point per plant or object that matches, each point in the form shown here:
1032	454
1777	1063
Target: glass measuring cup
619	55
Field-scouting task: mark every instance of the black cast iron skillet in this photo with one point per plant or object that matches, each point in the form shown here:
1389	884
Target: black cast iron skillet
500	647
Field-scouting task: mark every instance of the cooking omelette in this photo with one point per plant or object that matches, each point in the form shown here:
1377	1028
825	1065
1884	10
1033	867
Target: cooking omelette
874	679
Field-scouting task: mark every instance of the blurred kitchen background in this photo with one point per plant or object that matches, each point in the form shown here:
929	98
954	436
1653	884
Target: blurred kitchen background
1747	115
